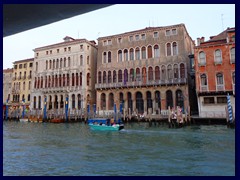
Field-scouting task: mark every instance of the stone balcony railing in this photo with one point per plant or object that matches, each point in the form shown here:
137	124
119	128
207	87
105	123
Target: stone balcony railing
141	83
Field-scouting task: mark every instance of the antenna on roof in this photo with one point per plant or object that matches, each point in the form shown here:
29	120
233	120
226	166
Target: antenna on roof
222	22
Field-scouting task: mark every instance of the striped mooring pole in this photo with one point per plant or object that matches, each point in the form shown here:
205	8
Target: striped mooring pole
229	107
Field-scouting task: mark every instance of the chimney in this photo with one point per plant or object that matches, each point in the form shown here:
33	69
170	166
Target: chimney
202	39
198	41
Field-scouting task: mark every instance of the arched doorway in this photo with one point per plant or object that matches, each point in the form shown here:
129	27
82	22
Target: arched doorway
158	102
179	99
169	99
129	100
139	103
103	101
111	101
149	100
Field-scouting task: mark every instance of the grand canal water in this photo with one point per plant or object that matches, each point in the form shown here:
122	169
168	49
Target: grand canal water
31	149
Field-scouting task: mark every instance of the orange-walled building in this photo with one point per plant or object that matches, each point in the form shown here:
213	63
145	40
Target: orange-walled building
215	73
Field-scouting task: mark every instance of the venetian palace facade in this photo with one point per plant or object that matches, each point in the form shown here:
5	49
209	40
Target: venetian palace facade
65	69
215	73
21	82
146	70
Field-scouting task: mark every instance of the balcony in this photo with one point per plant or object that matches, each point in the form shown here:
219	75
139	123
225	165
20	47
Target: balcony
220	87
203	88
142	83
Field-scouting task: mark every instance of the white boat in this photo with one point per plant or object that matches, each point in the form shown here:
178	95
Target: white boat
23	120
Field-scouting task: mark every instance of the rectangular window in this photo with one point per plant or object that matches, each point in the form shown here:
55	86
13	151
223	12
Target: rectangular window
69	48
222	100
155	34
104	43
143	36
119	40
15	66
46	52
65	49
30	64
174	31
20	66
36	54
25	65
50	51
137	37
109	42
208	100
168	33
81	47
57	50
87	47
130	38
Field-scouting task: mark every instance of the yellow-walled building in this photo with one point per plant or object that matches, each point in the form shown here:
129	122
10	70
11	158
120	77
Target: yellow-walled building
21	82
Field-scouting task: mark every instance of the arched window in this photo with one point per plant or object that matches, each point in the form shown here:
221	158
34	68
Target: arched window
121	97
99	77
203	80
68	80
137	53
120	76
149	49
73	79
219	79
131	54
109	77
50	64
104	57
109	57
125	76
202	58
61	65
143	53
169	72
182	70
131	74
80	79
114	76
28	97
163	71
88	79
69	61
157	73
168	47
120	56
57	64
41	86
175	48
73	101
88	60
232	55
64	64
175	67
104	77
24	86
156	51
150	73
218	56
125	55
79	101
36	66
53	64
46	64
77	79
138	75
81	60
233	77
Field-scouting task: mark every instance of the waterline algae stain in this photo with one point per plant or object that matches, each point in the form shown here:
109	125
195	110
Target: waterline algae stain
31	149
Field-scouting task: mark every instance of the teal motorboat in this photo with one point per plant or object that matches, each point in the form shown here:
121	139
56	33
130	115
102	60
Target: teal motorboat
104	124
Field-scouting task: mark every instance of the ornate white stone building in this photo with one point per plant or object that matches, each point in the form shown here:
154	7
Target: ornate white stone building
65	69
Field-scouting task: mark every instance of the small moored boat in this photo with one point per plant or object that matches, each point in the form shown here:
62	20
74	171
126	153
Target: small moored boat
104	124
23	120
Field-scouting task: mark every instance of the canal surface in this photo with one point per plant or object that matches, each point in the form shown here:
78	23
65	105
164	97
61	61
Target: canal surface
38	149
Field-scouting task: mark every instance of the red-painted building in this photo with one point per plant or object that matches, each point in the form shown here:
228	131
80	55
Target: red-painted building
215	73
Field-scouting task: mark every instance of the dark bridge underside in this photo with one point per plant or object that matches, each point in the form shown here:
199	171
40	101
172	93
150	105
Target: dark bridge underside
21	17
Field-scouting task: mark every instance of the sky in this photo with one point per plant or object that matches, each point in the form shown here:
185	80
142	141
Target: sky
201	20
